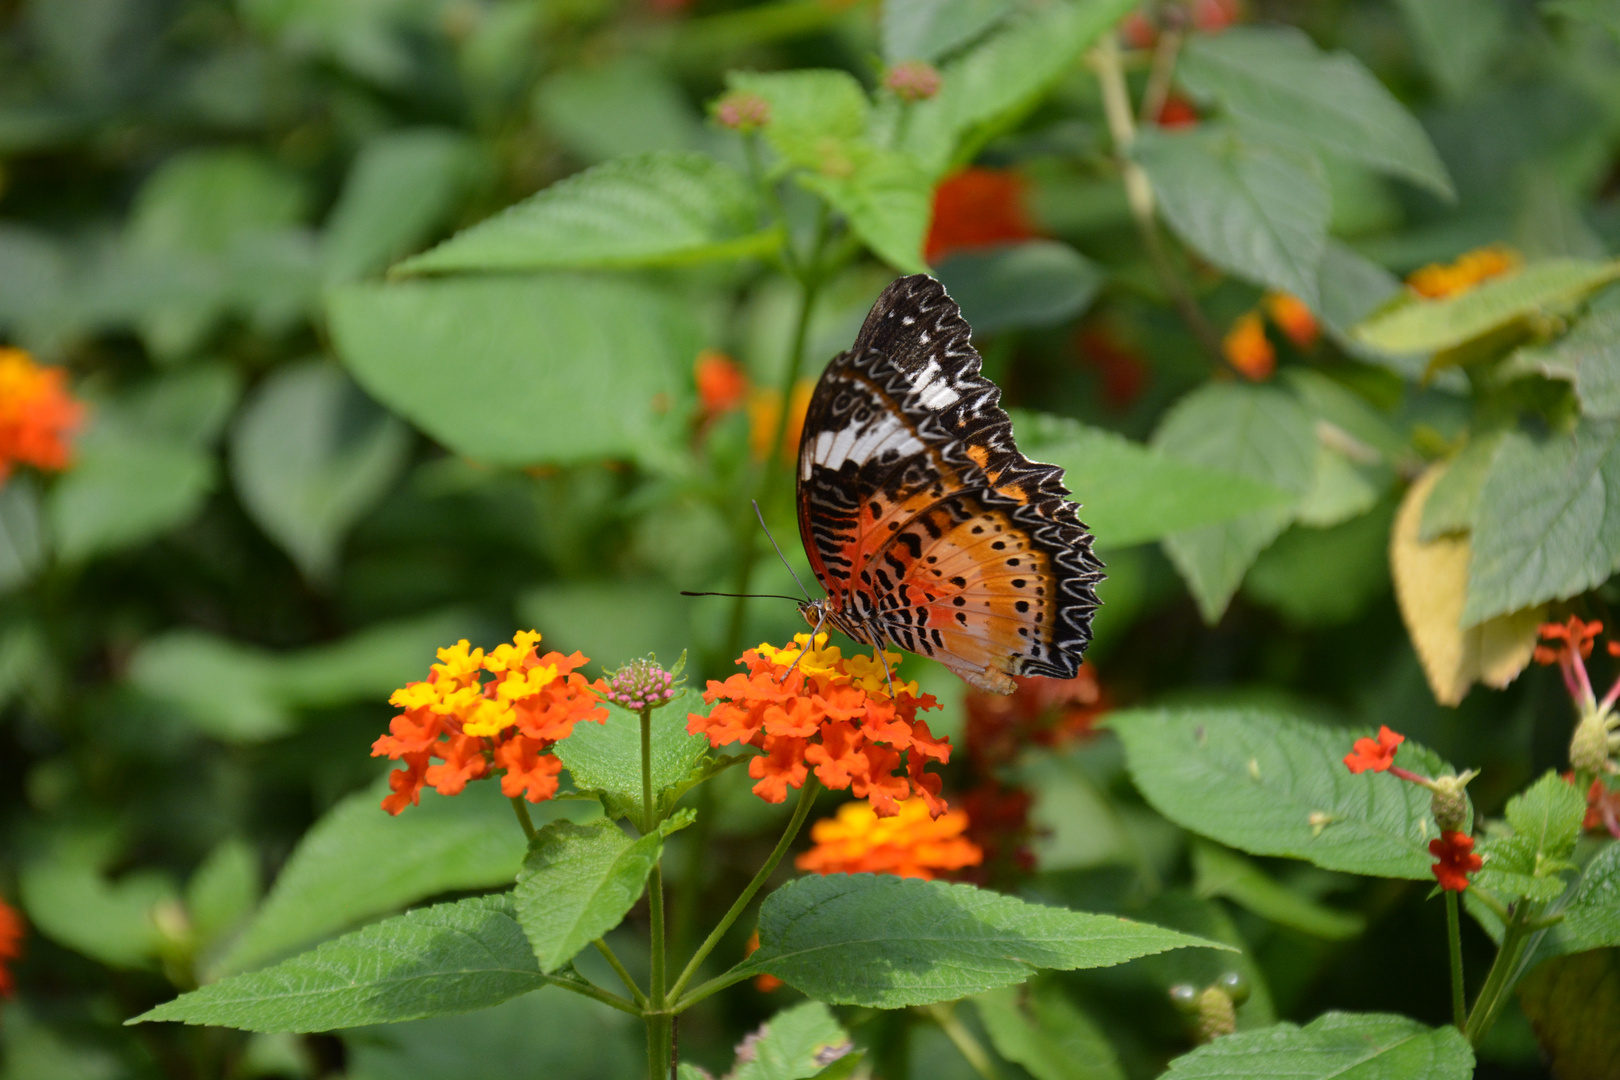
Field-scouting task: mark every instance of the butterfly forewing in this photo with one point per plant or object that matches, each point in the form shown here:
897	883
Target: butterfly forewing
921	519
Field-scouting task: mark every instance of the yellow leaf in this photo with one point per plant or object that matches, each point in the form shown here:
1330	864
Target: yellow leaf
1431	583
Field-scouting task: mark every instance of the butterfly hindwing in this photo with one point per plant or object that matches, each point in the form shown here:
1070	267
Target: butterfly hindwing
922	520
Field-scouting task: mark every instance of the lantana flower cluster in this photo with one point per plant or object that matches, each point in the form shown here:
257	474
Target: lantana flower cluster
1454	849
11	935
1246	346
910	843
809	707
1437	281
1596	741
479	713
37	414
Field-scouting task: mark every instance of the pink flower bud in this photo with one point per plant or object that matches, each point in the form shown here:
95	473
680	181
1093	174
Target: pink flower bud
742	111
913	80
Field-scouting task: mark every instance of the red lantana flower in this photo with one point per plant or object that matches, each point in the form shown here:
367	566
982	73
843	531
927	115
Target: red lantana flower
37	414
1121	368
977	208
1042	711
11	935
1455	850
1376	755
473	727
824	712
722	385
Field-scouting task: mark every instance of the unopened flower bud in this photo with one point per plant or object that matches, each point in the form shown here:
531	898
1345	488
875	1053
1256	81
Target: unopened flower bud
1449	802
1589	747
641	684
1236	986
742	111
1185	997
1217	1013
913	80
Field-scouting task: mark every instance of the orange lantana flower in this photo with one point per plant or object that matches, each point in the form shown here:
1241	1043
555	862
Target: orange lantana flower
1247	349
1455	850
474	726
722	385
1568	644
37	415
1177	112
1376	755
1438	281
764	982
910	843
1292	317
11	935
1040	711
831	714
977	208
765	408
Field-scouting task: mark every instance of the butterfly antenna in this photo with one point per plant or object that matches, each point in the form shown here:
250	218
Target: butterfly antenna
779	554
745	595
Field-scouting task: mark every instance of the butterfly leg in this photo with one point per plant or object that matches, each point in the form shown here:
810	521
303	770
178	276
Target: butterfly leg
878	655
820	622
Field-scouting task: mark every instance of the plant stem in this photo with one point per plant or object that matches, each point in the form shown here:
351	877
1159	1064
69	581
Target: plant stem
660	1045
619	969
523	816
1160	74
1105	62
594	992
660	1030
1459	1013
807	796
1499	980
944	1014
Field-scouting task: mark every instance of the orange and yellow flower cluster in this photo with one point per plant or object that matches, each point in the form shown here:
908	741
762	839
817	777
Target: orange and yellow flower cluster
1246	346
459	726
910	843
823	711
11	935
37	414
1440	280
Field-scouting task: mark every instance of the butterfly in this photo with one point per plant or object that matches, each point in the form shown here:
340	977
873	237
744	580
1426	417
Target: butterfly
922	521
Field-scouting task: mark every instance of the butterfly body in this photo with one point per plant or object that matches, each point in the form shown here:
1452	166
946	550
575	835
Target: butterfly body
922	520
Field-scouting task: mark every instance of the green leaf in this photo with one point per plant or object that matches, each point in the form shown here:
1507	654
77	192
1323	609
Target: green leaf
1601	13
1274	80
1457	39
402	188
1258	432
795	1044
1223	873
1591	915
1034	284
1132	493
1325	577
885	195
1254	209
605	759
887	942
223	891
1270	784
1571	1002
358	862
1588	356
22	541
1547	526
655	209
68	897
1450	506
1335	1046
203	200
451	958
601	362
1040	1029
310	456
577	883
814	113
1415	325
625	106
123	491
928	29
1546	822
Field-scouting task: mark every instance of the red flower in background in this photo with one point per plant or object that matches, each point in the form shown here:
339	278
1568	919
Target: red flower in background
38	416
1041	711
977	208
1177	112
1213	16
1376	755
1123	371
11	935
998	822
1455	851
722	384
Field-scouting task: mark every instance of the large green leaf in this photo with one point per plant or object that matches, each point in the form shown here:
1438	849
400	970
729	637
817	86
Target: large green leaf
1457	39
1588	356
1040	1029
1132	493
1038	283
1546	822
310	455
885	195
124	491
795	1044
1422	326
68	897
1258	432
928	29
451	958
1335	1046
1255	209
1276	81
1592	915
1219	872
1572	1002
605	758
886	942
813	113
22	541
1547	525
358	862
577	883
649	210
1274	785
515	371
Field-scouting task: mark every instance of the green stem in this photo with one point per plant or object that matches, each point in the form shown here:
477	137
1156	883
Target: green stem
660	1031
522	812
807	796
594	992
1459	1009
619	969
944	1014
1498	981
660	1045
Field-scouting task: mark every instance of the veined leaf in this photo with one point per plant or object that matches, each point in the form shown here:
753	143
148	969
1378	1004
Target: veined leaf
1038	283
605	758
795	1044
1274	785
814	113
1335	1046
1591	916
1546	821
1571	1002
1042	1030
885	195
452	958
928	29
886	942
652	209
1588	356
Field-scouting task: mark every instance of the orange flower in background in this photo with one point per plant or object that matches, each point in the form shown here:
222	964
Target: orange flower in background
1122	369
1571	637
765	982
998	822
1213	16
830	714
977	208
1437	281
1292	317
910	843
1247	348
765	407
474	726
1137	31
721	384
1375	755
1177	112
1042	711
1602	809
11	935
1455	850
37	415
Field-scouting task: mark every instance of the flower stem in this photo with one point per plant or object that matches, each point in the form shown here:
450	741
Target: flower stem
944	1014
523	816
660	1027
619	969
1459	1011
1499	980
807	796
596	993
